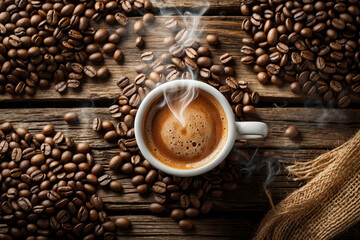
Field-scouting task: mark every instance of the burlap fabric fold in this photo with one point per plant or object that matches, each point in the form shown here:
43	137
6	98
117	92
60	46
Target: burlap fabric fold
326	205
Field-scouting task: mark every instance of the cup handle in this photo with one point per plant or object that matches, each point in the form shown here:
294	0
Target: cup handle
251	130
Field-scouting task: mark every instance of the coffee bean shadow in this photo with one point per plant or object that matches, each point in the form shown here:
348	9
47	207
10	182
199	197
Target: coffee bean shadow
298	139
122	232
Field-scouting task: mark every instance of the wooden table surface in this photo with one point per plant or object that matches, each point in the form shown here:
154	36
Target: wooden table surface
237	214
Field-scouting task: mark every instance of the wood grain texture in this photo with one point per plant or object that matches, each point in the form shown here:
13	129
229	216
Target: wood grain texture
237	214
319	128
239	226
216	7
213	226
227	28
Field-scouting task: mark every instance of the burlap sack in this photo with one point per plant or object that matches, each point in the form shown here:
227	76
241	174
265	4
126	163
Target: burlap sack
325	206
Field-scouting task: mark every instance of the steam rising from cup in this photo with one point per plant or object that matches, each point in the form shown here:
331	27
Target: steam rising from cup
178	101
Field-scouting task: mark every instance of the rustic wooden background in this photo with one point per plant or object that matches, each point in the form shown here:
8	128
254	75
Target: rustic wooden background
236	214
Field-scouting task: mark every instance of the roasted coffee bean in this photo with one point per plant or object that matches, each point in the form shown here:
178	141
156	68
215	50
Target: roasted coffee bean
104	180
172	75
139	42
38	159
291	132
171	24
16	154
205	73
122	223
185	224
336	86
115	111
4	146
176	50
247	50
24	204
225	58
217	69
177	214
148	18
182	35
191	53
109	48
71	117
142	189
63	216
262	77
127	168
169	41
97	124
96	58
203	51
212	39
115	162
65	191
247	60
90	71
344	101
184	201
156	208
139	27
118	55
101	35
192	212
204	62
116	186
147	56
206	207
231	82
103	72
248	109
151	176
122	82
159	187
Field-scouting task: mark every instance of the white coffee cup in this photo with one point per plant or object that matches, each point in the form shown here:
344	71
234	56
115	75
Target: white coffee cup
236	130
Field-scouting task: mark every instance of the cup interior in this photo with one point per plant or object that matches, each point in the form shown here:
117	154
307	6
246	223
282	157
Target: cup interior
152	96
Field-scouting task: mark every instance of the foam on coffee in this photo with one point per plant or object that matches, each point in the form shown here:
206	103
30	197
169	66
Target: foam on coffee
191	145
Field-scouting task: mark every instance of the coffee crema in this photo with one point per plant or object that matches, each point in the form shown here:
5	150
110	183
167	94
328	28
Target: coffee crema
192	142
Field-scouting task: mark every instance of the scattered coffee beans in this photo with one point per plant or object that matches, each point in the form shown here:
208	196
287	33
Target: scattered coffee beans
315	46
188	196
43	42
48	187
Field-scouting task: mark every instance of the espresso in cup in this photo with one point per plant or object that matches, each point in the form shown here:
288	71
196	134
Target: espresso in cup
185	135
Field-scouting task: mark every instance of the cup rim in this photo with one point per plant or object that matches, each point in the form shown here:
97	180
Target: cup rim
138	126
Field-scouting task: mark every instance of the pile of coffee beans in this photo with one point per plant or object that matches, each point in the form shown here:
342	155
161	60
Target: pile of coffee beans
184	197
48	187
186	59
44	41
314	45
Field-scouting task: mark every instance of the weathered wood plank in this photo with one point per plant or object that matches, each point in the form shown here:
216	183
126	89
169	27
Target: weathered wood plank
212	226
227	28
217	7
249	196
320	128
